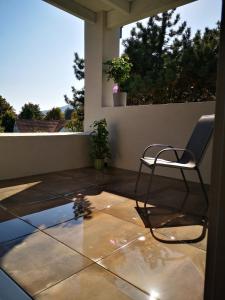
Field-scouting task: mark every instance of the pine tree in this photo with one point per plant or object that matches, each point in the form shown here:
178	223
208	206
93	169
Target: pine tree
146	49
194	62
169	65
77	101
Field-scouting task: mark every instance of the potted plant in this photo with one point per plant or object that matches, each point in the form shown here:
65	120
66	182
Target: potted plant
100	150
118	69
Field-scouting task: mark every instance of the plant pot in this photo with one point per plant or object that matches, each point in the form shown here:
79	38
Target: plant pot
120	99
99	164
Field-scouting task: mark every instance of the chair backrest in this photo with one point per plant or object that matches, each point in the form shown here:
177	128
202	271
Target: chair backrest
200	138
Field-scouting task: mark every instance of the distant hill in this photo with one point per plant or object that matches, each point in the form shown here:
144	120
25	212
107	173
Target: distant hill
63	109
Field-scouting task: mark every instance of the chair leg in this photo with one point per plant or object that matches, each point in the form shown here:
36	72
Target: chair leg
182	241
149	187
137	181
203	187
138	178
185	180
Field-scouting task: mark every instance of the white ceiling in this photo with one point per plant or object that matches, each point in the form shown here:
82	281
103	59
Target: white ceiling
118	12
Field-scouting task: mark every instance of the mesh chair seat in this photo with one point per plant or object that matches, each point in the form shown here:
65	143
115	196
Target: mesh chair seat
150	161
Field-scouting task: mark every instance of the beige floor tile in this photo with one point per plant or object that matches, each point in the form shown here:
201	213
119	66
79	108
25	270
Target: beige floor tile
31	205
97	198
170	272
10	290
63	186
14	228
52	216
37	261
11	191
5	215
185	232
125	211
91	175
93	283
97	236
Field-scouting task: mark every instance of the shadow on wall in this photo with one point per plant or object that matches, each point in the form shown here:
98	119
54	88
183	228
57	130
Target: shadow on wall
114	141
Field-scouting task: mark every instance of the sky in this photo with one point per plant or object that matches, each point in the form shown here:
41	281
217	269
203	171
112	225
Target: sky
37	45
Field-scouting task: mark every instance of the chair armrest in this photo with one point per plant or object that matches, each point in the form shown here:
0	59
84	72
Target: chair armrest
175	150
155	145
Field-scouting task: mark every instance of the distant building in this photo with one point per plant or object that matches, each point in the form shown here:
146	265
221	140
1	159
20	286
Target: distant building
39	126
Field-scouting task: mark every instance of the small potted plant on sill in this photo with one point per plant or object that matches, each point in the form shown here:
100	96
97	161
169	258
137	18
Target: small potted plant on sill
118	69
100	150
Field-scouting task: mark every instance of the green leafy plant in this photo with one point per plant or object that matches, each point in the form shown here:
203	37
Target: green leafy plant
75	124
99	140
118	69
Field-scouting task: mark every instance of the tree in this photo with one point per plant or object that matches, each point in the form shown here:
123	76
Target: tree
8	120
197	67
4	106
77	101
146	49
74	124
168	65
68	113
31	111
7	116
54	114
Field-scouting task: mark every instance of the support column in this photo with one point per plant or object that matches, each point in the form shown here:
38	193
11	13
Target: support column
101	44
215	262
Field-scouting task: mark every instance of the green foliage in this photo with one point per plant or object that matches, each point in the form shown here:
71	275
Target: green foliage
7	116
79	67
99	140
31	111
4	106
168	65
54	114
195	66
68	113
8	120
75	124
77	101
118	69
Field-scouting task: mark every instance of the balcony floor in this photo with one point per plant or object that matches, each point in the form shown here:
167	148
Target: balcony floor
77	235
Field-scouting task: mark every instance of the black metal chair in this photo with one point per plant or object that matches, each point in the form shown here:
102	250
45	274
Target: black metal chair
189	159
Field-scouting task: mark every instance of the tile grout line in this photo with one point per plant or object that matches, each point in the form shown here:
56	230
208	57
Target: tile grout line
58	282
85	268
130	283
100	210
15	282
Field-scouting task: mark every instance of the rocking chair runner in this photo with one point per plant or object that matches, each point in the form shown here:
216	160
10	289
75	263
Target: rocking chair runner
189	159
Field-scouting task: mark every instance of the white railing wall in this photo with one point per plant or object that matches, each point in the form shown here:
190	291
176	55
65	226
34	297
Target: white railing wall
37	153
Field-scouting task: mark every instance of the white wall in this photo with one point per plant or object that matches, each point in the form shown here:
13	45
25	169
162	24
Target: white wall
36	153
133	128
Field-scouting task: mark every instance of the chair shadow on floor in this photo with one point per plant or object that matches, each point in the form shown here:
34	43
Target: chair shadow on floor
165	217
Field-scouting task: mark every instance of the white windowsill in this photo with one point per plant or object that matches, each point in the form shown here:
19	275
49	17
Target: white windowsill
17	134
